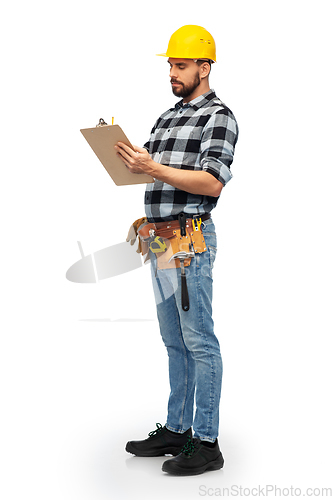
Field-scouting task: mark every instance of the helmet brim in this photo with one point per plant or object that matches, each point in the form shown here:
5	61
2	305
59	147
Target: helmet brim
177	57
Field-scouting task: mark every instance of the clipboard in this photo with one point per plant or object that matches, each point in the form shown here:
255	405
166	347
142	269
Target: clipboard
102	140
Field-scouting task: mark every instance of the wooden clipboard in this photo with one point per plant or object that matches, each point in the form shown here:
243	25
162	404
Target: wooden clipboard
102	140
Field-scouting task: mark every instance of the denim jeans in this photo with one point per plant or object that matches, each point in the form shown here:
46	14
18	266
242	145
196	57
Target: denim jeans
195	364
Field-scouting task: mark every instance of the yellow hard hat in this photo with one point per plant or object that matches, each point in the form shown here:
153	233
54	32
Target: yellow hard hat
191	42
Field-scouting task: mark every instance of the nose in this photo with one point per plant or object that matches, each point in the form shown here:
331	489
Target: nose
173	72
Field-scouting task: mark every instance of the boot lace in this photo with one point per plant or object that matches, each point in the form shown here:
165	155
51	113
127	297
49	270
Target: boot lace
156	431
189	447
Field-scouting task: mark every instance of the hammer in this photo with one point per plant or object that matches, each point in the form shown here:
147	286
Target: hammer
182	256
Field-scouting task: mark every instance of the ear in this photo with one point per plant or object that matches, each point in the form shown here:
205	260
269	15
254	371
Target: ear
204	69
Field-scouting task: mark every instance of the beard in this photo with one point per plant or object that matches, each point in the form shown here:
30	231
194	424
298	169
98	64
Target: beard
186	90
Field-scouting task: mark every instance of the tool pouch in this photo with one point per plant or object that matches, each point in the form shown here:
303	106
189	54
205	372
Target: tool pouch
192	240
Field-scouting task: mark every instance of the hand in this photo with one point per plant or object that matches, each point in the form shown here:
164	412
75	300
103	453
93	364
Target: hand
137	161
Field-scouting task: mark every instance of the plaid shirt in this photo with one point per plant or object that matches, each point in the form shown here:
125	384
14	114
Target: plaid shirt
198	135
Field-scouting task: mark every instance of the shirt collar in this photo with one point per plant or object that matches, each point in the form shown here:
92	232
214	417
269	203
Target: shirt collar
198	102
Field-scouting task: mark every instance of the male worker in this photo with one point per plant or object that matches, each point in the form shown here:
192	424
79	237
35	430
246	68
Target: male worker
189	155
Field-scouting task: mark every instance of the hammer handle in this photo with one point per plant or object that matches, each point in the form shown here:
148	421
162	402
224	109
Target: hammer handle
185	297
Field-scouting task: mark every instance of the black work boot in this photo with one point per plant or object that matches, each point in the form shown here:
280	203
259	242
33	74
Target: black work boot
195	458
160	442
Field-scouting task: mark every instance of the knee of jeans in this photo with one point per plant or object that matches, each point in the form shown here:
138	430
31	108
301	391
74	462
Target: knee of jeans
202	340
194	343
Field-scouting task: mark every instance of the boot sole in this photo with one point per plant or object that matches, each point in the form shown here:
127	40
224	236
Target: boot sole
178	471
140	453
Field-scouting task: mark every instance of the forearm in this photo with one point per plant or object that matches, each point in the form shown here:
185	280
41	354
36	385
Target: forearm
191	181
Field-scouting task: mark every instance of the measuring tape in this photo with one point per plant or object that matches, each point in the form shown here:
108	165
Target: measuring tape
158	245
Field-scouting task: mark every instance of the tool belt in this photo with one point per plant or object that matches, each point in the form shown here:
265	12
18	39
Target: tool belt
165	239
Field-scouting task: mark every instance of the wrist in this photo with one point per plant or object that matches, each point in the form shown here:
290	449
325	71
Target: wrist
154	168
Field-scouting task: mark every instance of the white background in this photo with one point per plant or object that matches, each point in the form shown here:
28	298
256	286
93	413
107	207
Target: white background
83	368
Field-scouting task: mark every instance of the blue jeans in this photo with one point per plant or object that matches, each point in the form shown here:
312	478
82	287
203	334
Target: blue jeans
195	364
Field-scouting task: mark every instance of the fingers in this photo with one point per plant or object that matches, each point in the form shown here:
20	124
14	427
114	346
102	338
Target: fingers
127	154
129	161
123	155
139	150
120	148
125	148
135	160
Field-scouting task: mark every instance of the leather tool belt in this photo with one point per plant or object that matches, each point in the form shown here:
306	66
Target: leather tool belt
165	239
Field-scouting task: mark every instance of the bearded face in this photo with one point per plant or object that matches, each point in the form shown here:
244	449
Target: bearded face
184	90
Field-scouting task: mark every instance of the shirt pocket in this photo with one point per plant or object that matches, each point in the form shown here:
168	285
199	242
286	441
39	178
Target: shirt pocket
177	147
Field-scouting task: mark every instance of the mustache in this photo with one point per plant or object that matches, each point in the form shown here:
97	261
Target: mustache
175	81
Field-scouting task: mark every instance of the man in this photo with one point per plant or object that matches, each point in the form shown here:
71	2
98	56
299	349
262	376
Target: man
189	155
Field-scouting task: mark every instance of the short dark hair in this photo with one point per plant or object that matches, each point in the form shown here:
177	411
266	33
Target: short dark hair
201	61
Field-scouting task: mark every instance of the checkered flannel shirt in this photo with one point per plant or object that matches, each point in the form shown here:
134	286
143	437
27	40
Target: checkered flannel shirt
198	135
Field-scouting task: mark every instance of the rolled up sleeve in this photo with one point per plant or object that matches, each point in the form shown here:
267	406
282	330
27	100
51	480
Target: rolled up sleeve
218	143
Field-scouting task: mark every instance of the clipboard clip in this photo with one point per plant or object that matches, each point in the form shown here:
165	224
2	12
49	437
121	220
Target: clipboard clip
101	123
